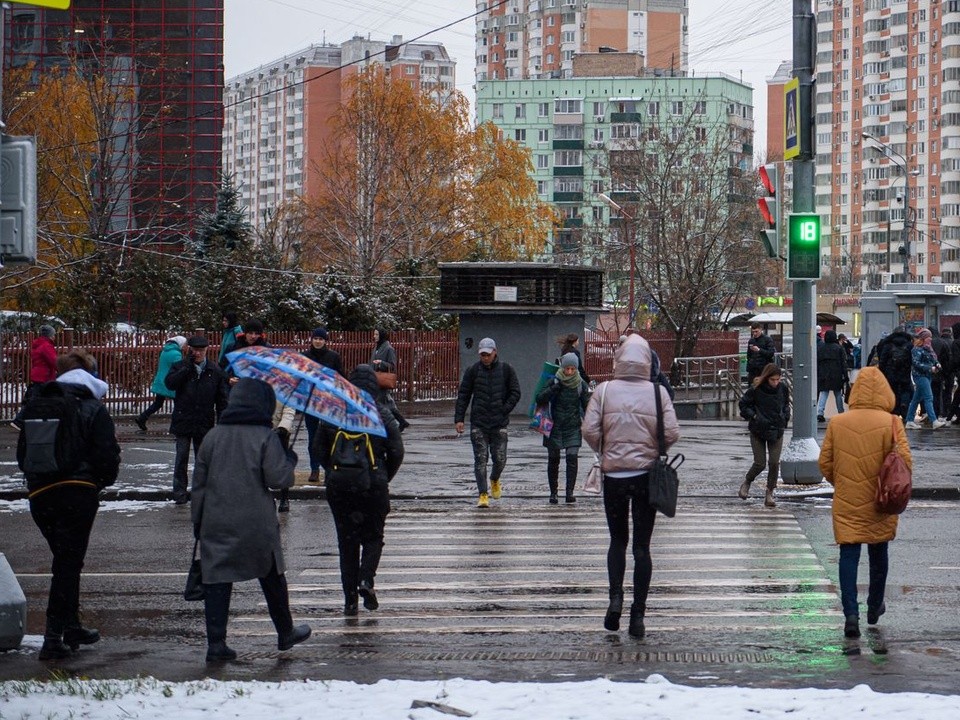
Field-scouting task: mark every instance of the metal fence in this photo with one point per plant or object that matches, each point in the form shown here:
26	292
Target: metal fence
429	362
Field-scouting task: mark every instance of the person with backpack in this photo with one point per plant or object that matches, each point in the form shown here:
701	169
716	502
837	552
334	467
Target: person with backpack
854	449
491	389
200	395
68	452
567	395
234	518
892	355
170	354
358	468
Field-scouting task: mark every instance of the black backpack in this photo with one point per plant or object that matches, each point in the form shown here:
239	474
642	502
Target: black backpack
51	445
352	462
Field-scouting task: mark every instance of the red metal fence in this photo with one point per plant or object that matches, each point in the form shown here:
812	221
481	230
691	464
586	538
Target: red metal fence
429	361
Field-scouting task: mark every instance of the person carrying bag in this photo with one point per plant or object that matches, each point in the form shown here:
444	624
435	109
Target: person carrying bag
621	426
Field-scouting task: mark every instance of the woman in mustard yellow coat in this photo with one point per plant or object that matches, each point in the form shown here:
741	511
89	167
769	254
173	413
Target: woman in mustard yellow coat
853	451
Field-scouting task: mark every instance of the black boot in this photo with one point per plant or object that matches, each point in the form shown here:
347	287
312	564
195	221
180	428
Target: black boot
295	636
141	422
216	611
284	505
76	635
611	620
553	476
351	604
851	628
571	477
53	646
370	601
636	628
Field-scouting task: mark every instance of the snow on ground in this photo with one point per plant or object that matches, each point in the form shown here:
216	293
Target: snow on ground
150	699
127	507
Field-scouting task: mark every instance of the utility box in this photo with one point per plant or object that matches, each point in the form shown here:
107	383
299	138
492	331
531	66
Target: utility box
524	307
18	199
13	608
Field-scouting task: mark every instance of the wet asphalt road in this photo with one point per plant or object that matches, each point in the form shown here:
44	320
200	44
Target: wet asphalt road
741	594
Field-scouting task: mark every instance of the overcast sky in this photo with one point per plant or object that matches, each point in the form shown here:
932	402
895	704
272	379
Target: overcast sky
743	38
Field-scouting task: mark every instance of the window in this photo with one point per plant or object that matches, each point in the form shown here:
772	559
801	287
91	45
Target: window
543	110
498	111
568	158
676	107
520	111
520	134
543	162
568	106
599	109
543	135
653	108
700	107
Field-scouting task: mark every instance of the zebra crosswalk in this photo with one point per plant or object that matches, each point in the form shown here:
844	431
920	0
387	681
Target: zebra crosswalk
518	569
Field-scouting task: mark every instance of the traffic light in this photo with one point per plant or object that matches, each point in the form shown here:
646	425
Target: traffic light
803	257
769	208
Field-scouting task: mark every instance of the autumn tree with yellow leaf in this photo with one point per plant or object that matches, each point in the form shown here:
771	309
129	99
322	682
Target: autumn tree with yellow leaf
405	178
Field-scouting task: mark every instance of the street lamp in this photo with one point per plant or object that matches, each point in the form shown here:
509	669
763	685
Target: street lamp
908	212
628	231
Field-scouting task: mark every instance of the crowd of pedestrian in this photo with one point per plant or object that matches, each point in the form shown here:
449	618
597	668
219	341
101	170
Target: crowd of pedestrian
240	430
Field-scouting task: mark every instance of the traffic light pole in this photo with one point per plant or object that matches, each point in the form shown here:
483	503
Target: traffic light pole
799	460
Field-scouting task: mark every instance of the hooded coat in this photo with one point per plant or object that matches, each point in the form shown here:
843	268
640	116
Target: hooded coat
170	354
853	451
43	360
624	433
831	364
239	462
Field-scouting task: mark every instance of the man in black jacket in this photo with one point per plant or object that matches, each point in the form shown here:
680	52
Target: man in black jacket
492	390
760	351
201	395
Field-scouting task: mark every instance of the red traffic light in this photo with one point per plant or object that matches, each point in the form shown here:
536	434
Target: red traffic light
767	207
768	176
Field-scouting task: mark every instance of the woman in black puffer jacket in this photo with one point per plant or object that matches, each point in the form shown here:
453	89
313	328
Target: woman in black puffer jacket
766	408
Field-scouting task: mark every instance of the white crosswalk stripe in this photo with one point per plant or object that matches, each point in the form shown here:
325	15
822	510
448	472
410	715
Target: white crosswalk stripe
521	570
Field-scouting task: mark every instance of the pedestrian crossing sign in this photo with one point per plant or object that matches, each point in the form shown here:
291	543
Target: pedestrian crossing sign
791	119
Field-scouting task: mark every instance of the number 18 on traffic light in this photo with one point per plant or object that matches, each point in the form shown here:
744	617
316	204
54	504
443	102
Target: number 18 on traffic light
803	256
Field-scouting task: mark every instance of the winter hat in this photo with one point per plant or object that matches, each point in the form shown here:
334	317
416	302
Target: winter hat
487	345
198	341
569	360
319	333
924	334
946	333
180	340
47	331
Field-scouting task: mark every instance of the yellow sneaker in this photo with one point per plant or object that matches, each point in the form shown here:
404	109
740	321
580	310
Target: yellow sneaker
484	501
495	489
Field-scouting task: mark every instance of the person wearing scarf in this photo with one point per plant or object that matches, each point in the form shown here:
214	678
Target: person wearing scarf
567	395
925	364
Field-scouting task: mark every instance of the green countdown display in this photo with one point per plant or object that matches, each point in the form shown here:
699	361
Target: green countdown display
803	256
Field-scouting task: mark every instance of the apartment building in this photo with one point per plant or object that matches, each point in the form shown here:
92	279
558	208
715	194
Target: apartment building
165	58
277	116
535	39
574	126
888	141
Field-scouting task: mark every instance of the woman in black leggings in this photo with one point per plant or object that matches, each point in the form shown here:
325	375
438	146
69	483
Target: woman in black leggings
621	426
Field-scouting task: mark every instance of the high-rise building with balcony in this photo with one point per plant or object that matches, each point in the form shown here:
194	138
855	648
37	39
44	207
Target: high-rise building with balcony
533	39
888	141
164	61
277	115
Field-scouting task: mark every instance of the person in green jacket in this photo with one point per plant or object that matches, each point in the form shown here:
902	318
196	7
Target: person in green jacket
228	342
170	353
567	394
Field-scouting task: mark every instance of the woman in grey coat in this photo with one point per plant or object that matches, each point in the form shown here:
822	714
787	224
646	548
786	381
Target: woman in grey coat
240	461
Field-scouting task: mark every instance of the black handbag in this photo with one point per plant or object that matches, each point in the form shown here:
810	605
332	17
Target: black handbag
664	483
193	590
